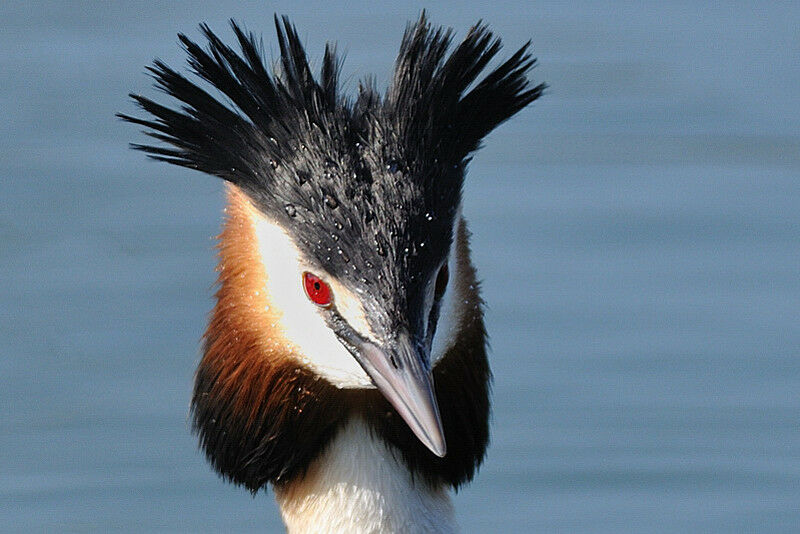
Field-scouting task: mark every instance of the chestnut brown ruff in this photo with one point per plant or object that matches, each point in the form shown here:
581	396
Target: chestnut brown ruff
262	416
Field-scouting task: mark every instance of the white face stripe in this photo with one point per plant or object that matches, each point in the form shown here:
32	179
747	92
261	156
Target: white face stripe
303	325
349	307
446	329
448	314
300	319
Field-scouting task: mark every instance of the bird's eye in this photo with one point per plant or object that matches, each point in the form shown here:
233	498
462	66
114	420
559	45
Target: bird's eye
441	282
318	291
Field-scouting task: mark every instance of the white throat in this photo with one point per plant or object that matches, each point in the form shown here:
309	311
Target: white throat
358	486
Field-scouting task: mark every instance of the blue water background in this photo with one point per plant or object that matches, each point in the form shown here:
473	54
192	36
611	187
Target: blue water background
637	231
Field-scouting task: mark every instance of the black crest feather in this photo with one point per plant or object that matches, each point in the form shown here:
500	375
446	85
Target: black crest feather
365	183
427	107
428	100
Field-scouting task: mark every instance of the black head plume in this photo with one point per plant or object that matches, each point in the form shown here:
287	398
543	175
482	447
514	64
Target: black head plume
354	181
426	103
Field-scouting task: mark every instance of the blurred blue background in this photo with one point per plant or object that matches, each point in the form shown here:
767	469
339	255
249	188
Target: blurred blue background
637	230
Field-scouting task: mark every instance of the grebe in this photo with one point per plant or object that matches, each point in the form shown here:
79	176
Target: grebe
345	360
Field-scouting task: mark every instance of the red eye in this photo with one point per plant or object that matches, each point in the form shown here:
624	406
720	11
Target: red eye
318	291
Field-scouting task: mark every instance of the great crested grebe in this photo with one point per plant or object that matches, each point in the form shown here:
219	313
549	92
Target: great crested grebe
345	359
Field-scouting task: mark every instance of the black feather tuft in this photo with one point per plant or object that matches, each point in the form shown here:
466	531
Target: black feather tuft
428	100
426	111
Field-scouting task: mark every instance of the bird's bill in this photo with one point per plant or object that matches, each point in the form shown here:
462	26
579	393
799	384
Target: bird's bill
408	386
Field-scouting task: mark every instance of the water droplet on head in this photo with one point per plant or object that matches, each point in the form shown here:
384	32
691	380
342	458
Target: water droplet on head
331	201
393	166
291	211
429	216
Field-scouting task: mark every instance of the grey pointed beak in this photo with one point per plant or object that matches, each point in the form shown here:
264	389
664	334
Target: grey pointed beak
402	377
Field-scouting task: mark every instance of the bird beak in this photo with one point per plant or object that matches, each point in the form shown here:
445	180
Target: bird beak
408	386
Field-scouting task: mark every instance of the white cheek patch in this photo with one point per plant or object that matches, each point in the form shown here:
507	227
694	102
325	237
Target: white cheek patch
300	318
446	329
448	313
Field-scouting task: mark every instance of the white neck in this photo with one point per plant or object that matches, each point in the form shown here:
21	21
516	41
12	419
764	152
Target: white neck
358	486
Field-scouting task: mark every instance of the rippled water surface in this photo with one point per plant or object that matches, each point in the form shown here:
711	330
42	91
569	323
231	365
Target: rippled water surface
637	230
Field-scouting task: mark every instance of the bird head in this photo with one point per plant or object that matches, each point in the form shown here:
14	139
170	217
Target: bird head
343	235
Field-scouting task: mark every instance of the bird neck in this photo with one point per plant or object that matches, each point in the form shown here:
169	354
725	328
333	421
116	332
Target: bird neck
358	485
